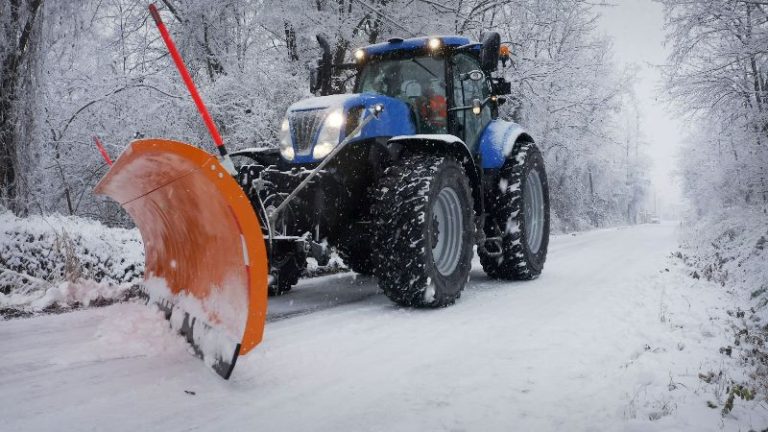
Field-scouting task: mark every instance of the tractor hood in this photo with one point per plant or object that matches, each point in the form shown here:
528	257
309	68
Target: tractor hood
313	127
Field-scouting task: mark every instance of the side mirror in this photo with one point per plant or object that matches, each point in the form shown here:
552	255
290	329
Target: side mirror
474	75
489	52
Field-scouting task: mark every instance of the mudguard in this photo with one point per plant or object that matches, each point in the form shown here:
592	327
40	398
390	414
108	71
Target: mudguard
498	141
206	261
447	144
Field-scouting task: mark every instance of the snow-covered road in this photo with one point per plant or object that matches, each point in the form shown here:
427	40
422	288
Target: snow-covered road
606	339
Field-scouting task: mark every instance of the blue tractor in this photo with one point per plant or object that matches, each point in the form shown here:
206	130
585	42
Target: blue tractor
406	174
403	177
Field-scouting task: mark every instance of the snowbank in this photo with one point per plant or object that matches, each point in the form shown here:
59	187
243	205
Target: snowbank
56	262
730	249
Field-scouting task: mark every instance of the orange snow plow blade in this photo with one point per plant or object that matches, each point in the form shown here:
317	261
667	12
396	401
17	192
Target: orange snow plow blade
206	261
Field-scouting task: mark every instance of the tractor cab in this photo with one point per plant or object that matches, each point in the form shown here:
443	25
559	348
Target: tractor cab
445	81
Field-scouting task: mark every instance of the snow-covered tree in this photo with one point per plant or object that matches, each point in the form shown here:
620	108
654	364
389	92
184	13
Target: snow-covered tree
19	77
718	76
101	69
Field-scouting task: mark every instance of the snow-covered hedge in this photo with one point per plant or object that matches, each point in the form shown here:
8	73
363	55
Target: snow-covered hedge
730	248
55	262
64	262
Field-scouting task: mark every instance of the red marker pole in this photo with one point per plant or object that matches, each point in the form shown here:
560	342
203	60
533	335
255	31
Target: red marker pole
212	129
102	150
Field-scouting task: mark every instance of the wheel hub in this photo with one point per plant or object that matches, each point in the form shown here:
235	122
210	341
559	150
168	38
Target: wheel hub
533	211
447	231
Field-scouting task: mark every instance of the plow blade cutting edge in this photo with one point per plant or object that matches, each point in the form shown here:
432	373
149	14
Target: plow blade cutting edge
206	261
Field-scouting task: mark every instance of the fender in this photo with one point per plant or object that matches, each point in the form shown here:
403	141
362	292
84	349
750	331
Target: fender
498	142
444	144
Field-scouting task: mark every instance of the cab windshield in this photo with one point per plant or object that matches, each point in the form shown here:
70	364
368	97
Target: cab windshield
418	81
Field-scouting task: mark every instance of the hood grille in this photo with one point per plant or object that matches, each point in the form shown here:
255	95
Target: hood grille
305	126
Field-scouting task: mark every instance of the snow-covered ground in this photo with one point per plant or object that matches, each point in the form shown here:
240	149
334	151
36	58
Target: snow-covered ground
613	336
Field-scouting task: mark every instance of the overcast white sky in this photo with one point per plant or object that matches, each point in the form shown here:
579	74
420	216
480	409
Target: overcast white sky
637	28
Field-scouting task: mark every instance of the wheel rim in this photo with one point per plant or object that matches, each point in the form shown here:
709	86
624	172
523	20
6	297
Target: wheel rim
533	211
448	223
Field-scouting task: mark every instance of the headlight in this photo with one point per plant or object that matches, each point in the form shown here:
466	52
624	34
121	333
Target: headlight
321	150
329	134
335	120
286	143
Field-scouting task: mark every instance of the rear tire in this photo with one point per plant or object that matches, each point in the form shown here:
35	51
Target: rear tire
518	211
423	230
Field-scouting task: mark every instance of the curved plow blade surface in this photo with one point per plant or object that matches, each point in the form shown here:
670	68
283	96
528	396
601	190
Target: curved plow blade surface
206	262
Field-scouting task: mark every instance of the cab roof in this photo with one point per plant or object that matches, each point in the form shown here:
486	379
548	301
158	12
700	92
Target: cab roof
413	44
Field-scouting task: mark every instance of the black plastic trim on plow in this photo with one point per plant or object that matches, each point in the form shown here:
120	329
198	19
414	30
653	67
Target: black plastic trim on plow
221	366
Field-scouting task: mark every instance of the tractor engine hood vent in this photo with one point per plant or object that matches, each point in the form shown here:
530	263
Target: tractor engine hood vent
305	126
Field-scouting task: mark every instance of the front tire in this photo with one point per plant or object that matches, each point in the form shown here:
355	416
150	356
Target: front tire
286	274
424	222
358	261
519	214
356	250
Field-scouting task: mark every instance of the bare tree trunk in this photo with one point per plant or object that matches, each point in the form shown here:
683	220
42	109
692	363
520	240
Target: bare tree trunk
290	41
18	40
212	62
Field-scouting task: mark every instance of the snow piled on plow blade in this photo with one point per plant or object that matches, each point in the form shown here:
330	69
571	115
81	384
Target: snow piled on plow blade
217	345
206	263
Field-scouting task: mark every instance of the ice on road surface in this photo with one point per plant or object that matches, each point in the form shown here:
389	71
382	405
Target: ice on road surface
606	339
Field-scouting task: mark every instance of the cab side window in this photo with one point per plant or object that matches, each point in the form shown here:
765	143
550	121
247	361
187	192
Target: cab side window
468	125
